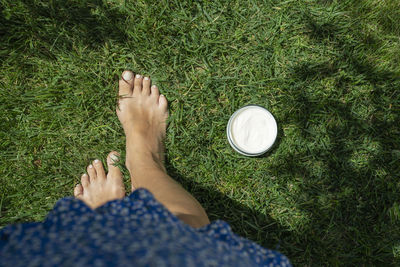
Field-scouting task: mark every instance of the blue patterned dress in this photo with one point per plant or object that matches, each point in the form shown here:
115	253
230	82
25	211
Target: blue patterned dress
134	231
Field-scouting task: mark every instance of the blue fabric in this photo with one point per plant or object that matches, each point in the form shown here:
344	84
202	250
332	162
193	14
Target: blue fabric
134	231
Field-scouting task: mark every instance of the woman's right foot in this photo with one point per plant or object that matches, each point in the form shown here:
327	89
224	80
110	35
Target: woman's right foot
143	113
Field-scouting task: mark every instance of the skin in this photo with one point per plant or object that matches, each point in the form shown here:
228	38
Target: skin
142	112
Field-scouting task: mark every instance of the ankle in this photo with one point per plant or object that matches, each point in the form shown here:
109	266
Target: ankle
142	147
144	160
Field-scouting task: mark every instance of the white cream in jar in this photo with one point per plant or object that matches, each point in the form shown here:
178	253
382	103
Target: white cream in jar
252	130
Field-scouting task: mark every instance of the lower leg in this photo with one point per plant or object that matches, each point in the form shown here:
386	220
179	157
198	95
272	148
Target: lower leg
150	174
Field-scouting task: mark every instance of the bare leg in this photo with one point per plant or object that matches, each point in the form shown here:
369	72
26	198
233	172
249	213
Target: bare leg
143	112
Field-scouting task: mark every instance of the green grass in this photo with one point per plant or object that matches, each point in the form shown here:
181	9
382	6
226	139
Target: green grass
329	192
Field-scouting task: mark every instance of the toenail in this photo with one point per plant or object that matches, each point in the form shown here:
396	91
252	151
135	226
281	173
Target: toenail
146	78
114	157
138	76
90	166
127	75
96	161
162	95
154	86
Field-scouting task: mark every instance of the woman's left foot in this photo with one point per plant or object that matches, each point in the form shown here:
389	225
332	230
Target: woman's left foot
97	187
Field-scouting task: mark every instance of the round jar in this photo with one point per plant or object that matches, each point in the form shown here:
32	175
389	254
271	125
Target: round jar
252	130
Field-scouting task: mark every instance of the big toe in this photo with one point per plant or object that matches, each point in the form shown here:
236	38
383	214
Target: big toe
78	191
126	83
113	171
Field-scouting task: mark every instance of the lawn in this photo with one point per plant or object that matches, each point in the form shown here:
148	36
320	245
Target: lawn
329	191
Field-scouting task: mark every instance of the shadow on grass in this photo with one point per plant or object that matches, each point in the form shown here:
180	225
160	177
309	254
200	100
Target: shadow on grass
50	26
354	220
244	221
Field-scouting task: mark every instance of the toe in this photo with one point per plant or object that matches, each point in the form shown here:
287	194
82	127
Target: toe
85	180
98	166
113	171
163	103
91	172
155	92
78	190
112	157
137	85
126	83
146	86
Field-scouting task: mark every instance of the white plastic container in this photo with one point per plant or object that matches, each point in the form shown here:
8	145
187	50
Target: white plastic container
252	130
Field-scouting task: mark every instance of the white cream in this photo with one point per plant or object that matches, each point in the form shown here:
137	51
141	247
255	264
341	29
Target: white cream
253	129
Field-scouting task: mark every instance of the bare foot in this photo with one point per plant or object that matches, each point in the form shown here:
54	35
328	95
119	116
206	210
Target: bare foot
96	187
143	113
